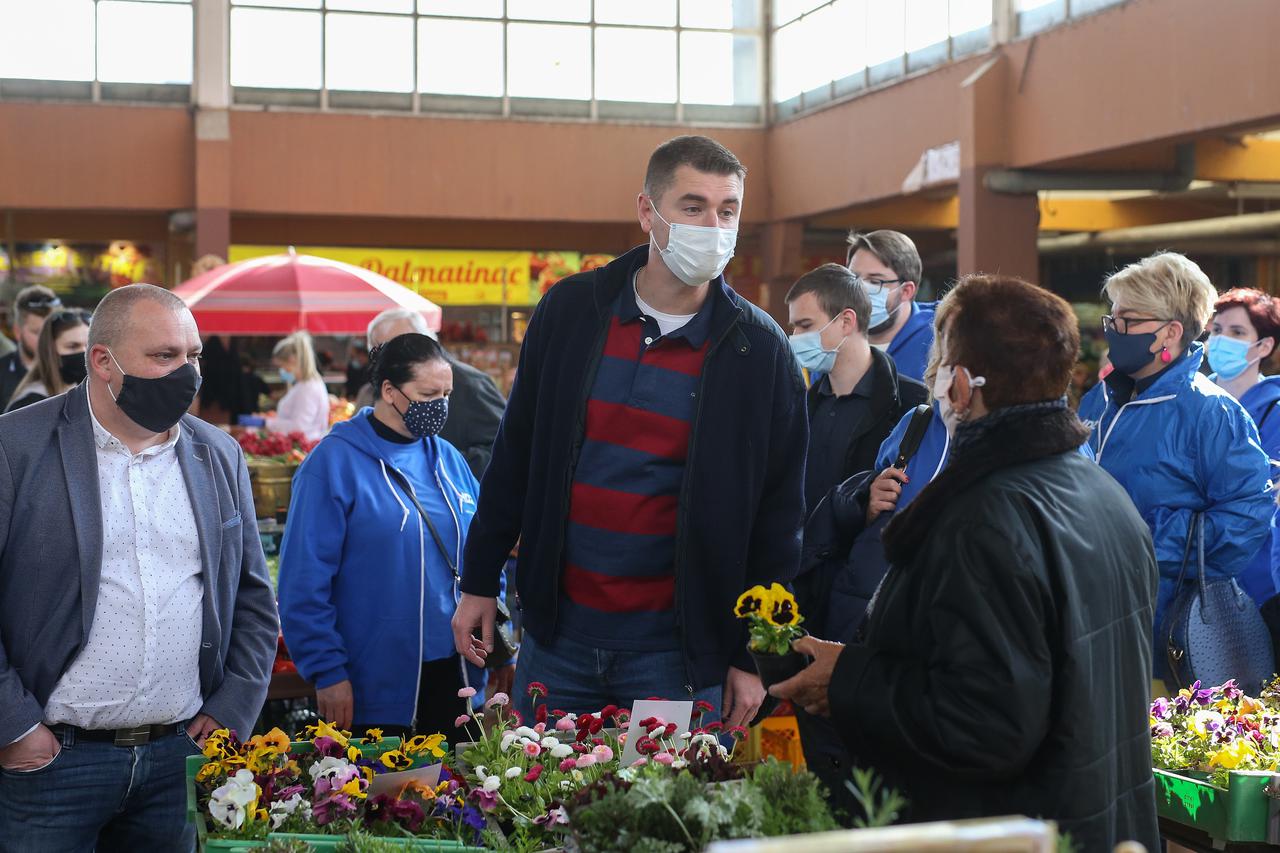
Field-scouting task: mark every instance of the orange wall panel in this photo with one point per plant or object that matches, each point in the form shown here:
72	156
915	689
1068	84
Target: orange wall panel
91	156
421	167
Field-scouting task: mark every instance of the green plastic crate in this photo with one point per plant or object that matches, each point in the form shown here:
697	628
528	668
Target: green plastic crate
195	762
1240	813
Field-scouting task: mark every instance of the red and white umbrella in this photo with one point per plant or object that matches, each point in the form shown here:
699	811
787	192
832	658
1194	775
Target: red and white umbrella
281	294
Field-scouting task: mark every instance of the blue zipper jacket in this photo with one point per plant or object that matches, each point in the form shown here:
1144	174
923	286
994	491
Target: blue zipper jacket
365	593
1260	578
741	503
910	347
1182	446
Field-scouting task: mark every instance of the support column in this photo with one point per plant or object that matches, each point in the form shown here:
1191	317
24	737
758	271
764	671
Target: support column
213	129
997	231
782	262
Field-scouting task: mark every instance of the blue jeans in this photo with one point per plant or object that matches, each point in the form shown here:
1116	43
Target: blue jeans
99	796
582	679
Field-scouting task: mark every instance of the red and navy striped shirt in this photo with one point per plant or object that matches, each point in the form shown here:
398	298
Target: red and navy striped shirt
618	584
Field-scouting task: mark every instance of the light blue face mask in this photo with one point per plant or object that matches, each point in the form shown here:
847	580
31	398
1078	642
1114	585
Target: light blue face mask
1228	357
287	376
880	315
809	352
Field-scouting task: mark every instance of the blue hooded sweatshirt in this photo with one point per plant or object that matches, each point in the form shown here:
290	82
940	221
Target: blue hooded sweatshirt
365	593
1184	445
1261	579
910	347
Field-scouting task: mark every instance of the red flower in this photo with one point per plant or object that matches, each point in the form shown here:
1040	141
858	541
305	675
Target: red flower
534	772
557	713
670	730
647	746
583	734
585	721
702	706
541	714
598	741
580	747
536	689
648	723
738	732
608	711
516	715
715	727
597	725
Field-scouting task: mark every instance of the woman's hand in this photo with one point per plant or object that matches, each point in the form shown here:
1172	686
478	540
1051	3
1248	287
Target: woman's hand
336	704
886	489
808	688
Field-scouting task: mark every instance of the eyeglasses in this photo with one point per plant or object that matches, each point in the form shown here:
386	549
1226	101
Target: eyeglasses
1123	324
70	315
875	285
41	304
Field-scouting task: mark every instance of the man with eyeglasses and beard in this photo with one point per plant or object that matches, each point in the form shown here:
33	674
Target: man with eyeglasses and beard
888	265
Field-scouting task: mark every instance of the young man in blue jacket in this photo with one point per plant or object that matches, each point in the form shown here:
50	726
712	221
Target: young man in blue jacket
889	267
650	462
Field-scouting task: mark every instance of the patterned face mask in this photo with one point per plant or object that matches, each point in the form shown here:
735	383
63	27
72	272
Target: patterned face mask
425	418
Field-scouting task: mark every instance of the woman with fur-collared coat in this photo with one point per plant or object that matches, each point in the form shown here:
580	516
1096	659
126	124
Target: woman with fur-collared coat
1005	663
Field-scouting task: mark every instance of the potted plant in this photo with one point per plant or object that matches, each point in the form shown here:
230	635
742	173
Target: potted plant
774	622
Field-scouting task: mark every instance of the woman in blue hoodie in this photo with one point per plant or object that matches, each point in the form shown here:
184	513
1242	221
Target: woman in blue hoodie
367	585
1176	442
1243	335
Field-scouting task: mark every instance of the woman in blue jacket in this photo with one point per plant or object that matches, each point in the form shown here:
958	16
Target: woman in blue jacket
1243	335
1176	442
366	590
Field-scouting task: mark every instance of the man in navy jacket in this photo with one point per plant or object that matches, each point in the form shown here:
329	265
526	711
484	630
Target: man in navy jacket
650	463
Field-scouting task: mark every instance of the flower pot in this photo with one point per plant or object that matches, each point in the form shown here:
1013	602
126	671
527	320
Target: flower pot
774	669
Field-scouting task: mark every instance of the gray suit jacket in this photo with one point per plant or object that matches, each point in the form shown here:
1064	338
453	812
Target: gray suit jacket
51	560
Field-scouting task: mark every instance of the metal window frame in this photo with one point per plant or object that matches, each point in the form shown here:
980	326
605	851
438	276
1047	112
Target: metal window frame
97	90
882	74
419	102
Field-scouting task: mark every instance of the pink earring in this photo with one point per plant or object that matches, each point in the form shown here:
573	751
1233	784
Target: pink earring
1165	355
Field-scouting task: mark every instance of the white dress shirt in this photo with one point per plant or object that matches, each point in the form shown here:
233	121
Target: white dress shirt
141	664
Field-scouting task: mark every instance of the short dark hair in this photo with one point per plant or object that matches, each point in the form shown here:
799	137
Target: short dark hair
395	360
1262	308
894	249
35	301
836	289
699	152
1022	338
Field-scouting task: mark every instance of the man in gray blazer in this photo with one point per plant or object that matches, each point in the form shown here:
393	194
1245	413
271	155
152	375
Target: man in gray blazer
136	614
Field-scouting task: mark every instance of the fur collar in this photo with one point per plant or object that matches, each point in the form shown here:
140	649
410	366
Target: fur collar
1001	440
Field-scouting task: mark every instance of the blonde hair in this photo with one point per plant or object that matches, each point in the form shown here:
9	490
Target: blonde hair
1168	286
943	312
298	347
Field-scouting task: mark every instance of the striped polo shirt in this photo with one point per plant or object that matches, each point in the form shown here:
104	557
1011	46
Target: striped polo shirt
618	582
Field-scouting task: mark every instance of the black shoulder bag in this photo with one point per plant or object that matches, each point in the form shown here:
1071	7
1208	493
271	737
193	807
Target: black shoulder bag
504	645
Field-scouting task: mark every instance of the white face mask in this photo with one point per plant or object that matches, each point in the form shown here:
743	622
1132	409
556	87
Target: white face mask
942	382
695	254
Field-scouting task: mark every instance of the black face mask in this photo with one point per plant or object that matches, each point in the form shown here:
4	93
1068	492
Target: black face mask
157	404
72	368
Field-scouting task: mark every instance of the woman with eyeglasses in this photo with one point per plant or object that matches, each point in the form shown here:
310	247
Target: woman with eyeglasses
60	361
1243	335
1176	442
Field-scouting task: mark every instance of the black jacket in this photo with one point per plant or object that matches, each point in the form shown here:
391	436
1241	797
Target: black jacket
834	583
1006	665
475	410
741	503
892	396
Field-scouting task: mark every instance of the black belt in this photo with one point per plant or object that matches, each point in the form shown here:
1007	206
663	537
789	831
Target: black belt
121	737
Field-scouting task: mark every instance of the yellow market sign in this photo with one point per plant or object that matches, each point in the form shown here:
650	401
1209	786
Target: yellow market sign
445	276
